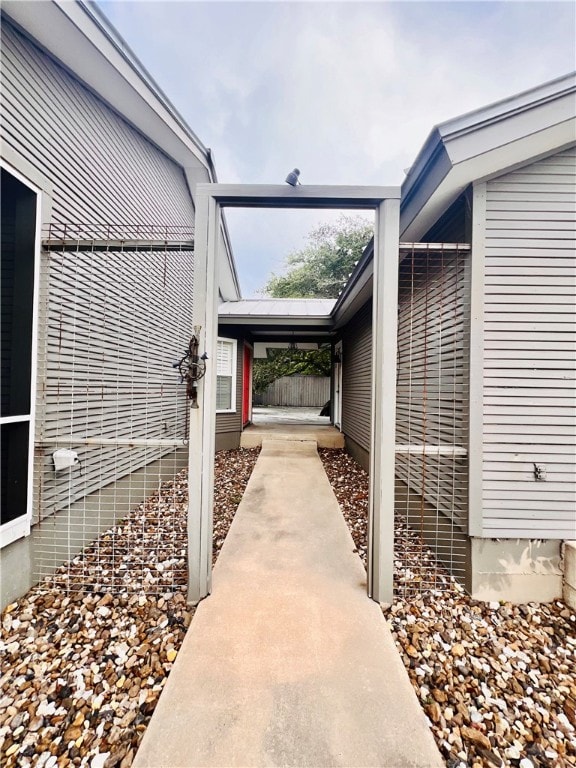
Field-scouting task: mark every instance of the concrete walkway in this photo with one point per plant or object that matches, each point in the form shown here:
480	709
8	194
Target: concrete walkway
288	663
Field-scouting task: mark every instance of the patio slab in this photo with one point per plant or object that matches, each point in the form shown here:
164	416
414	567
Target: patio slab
288	663
278	414
290	423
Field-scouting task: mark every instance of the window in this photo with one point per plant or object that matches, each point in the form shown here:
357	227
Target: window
17	287
226	376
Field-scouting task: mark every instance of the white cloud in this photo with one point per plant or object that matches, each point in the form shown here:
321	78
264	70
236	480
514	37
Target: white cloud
346	91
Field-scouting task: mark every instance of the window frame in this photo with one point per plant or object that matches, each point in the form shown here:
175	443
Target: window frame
234	374
19	527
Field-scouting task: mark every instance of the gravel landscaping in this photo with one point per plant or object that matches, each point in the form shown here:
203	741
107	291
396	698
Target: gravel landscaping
82	669
497	681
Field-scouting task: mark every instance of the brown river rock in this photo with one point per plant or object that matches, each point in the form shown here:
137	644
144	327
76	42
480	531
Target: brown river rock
505	670
73	673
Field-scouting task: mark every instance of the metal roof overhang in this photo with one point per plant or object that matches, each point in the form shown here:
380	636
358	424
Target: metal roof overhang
484	144
280	328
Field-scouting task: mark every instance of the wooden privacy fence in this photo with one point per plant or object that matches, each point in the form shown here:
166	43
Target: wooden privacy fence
296	391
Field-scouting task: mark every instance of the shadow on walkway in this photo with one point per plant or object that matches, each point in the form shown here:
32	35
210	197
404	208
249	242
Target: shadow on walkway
288	663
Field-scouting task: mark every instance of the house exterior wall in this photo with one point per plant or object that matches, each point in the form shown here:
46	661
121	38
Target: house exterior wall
529	341
455	223
103	171
432	392
229	425
111	324
357	384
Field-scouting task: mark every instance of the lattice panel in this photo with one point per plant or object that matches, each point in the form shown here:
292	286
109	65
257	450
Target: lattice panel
432	417
117	305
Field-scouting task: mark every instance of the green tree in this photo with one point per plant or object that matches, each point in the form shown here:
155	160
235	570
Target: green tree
320	270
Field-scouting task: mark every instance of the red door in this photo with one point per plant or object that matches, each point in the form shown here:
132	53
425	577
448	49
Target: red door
247	385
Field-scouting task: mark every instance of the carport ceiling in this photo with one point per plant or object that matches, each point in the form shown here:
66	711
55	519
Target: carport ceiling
280	319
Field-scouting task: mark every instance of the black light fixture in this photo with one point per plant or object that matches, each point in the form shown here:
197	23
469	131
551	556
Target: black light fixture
292	178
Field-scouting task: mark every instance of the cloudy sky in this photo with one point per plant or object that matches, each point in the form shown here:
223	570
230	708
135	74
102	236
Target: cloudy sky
346	91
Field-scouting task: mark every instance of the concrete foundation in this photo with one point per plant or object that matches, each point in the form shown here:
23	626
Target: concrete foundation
359	454
324	436
569	557
67	532
228	441
516	570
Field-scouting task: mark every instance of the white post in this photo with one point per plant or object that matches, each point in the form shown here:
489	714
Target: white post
202	418
475	271
382	454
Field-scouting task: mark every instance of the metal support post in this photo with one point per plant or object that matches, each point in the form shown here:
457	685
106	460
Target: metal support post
202	417
382	454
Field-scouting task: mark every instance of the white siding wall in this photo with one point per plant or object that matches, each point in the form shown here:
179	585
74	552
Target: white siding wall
530	351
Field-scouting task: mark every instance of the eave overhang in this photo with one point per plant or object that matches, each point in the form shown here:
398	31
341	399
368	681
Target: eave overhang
79	37
483	144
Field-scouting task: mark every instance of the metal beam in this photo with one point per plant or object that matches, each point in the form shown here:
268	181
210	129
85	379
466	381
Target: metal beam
430	247
132	442
305	196
274	320
431	450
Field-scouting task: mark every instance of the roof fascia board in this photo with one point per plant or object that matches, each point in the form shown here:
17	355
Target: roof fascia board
355	300
272	320
83	41
287	337
491	136
422	180
497	162
498	133
364	264
227	275
507	108
285	196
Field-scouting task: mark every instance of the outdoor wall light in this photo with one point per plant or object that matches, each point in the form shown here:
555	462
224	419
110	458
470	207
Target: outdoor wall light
292	177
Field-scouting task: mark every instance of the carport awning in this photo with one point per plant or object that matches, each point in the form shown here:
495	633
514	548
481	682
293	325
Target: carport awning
277	311
302	319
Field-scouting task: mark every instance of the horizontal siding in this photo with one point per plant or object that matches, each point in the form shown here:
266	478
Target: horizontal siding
432	391
530	351
232	422
102	170
111	324
357	377
114	325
